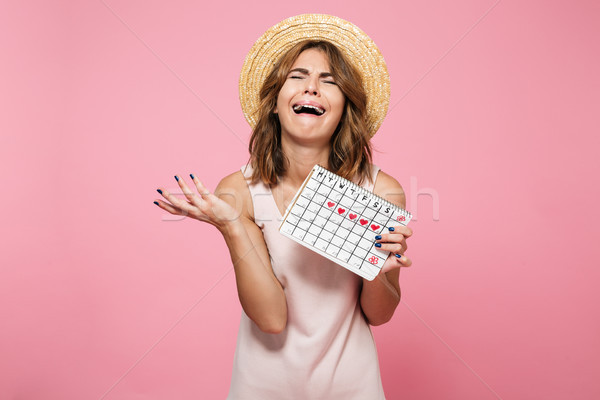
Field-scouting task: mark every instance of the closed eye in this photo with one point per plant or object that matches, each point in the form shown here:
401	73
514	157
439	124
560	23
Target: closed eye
301	77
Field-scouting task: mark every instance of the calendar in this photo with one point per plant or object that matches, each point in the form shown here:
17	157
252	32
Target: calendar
339	220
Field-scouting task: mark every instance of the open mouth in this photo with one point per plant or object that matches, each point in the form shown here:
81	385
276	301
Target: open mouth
308	109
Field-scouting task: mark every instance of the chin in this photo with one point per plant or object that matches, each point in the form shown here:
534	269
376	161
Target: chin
309	134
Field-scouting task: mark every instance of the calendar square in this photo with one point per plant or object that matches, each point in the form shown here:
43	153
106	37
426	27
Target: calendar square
336	218
325	235
353	238
299	233
293	219
330	226
309	215
320	221
344	255
313	207
315	230
336	240
360	252
346	201
287	228
366	243
297	212
342	232
310	238
308	194
324	212
339	220
320	198
356	261
302	202
382	219
347	224
321	244
349	246
359	229
333	249
313	185
304	224
369	213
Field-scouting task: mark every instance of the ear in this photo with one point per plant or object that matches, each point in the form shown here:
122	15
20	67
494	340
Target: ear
275	110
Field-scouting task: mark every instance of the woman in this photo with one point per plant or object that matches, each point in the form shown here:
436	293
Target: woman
304	332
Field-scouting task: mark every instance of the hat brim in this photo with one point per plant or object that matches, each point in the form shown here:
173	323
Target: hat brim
351	40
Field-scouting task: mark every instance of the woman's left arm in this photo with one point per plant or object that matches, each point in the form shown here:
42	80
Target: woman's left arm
380	297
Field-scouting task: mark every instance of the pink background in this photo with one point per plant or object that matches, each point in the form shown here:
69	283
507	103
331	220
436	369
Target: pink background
492	130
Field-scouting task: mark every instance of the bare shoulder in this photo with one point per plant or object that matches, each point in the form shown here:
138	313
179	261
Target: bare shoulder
234	190
389	188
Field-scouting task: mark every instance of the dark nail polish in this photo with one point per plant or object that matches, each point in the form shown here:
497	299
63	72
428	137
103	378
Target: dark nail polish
176	178
391	229
378	237
192	176
156	202
377	244
159	191
399	255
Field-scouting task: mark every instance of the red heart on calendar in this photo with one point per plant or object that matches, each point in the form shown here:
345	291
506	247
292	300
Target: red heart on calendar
341	210
364	222
330	204
352	216
375	227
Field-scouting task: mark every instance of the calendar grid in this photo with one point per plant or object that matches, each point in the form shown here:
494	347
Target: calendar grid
354	200
337	182
305	209
332	215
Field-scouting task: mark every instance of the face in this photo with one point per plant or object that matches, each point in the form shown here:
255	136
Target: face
310	104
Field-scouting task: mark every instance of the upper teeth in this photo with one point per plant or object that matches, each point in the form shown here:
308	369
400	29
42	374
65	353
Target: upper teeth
299	106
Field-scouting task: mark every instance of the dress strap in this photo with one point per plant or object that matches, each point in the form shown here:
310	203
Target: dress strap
369	185
264	206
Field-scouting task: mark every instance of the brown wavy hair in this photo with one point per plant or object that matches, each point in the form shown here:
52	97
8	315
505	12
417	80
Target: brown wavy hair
351	152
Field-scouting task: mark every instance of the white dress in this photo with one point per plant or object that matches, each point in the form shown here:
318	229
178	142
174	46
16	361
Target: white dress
326	350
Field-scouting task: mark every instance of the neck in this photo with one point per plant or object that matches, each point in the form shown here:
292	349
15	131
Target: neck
302	159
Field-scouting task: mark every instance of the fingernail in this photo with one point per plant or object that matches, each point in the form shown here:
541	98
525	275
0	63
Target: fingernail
399	255
159	191
192	176
156	202
378	237
377	244
176	178
391	229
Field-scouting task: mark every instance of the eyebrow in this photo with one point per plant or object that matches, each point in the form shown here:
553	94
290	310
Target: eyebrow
305	71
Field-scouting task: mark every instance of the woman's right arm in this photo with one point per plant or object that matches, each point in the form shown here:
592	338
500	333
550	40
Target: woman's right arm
261	294
229	210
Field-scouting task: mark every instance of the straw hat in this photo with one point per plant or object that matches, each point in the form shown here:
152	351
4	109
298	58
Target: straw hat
358	48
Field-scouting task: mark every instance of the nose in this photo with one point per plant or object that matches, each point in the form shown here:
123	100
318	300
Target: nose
312	86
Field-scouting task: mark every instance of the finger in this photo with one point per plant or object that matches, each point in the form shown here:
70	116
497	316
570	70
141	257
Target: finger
184	207
167	207
192	197
404	230
204	192
390	237
403	260
396	248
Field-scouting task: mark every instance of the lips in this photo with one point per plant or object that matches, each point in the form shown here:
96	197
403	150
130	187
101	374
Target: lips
308	107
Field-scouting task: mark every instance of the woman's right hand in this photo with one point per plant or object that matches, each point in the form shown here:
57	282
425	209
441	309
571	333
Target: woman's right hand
203	206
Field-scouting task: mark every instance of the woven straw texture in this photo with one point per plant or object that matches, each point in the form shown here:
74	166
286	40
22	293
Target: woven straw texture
353	42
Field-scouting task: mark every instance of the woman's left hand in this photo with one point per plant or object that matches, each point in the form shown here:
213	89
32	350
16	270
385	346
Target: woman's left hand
395	243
